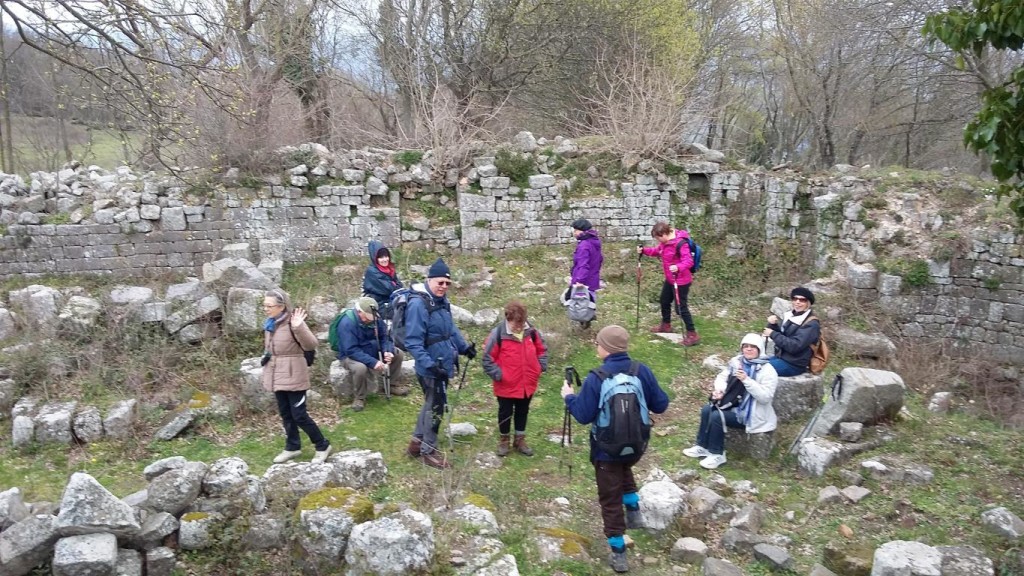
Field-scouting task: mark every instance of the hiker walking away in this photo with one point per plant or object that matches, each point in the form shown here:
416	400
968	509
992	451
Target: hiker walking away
365	345
616	486
676	261
514	357
381	277
588	258
741	398
433	339
286	374
795	336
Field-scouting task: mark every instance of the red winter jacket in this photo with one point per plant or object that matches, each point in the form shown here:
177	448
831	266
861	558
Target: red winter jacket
514	366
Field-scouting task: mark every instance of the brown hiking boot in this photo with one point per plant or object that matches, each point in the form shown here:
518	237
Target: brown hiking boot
414	447
436	459
503	445
358	405
400	390
663	327
520	445
691	339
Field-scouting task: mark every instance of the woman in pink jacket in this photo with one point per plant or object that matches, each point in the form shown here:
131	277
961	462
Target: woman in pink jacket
285	373
674	251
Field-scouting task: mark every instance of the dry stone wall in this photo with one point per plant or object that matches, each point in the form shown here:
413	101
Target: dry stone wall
88	220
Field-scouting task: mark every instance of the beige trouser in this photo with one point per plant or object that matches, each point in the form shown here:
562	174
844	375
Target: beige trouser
360	373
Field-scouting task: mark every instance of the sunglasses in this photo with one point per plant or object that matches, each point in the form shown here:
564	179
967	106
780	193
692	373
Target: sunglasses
444	282
798	299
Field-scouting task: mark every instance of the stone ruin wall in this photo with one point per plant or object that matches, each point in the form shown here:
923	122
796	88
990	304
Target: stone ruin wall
144	226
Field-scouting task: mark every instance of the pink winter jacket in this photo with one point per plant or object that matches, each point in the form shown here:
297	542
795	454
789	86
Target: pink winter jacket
667	253
287	370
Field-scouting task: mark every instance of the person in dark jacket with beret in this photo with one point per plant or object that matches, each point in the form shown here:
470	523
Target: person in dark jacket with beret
587	259
795	335
616	486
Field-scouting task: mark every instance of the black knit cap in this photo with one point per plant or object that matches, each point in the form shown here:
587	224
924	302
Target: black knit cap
582	224
801	291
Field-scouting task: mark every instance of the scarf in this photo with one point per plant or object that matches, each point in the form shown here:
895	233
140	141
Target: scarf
389	269
270	324
750	368
796	319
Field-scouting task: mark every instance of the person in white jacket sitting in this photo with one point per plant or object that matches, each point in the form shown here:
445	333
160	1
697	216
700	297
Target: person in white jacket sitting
742	398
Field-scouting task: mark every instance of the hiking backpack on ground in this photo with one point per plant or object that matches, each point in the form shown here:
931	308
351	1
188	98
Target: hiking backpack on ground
623	424
819	351
695	252
332	335
399	304
579	304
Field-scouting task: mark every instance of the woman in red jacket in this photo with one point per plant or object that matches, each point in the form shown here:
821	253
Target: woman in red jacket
514	356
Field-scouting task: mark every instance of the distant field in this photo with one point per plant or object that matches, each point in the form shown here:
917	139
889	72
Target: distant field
37	145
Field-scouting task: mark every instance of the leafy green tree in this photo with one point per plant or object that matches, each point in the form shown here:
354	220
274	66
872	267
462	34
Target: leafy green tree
998	128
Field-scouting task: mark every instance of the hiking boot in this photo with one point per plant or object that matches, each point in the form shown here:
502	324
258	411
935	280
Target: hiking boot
663	327
286	456
634	520
414	447
697	451
618	562
436	459
503	446
520	445
691	339
321	455
400	390
358	405
713	461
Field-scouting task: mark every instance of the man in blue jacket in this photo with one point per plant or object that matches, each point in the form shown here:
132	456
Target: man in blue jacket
364	345
616	486
435	342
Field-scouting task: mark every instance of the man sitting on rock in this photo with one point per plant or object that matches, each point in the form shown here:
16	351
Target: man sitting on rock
364	344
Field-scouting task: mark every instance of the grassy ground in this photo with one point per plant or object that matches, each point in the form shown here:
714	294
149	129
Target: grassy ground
978	470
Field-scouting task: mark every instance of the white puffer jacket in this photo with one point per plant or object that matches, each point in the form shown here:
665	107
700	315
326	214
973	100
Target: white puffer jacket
761	387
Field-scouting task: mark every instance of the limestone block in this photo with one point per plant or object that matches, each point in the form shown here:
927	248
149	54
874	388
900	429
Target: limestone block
130	295
251	389
661	502
7	325
37	306
12	508
175	490
243	313
85	554
53	422
755	446
816	455
863	276
906	558
129	563
27	544
120	421
79	314
22	431
88	424
237	251
195	530
400	543
689	550
172	219
525	142
797	396
191	312
266	532
867	396
86	507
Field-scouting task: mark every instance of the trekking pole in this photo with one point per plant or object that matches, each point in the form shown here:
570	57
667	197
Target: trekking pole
639	270
462	379
572	378
380	357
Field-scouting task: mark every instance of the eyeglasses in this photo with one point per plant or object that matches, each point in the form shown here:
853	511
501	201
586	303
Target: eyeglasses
798	299
444	282
272	305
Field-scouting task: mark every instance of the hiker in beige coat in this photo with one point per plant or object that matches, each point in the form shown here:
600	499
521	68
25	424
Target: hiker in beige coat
285	373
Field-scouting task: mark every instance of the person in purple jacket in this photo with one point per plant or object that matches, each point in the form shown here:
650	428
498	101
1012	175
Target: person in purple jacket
616	487
587	259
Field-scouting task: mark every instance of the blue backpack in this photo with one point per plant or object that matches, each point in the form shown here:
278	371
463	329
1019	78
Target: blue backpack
695	252
623	424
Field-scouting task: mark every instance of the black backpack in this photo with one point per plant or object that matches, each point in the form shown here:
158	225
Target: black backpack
399	304
623	424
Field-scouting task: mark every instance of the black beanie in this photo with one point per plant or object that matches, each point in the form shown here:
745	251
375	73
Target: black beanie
439	270
801	291
582	224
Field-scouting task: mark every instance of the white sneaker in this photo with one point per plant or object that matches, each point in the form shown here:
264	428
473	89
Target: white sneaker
286	456
697	451
321	456
713	461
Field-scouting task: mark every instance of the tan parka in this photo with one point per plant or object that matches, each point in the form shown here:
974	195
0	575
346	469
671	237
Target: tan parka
287	370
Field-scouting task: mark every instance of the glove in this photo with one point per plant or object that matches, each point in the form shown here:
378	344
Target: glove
265	360
438	372
471	351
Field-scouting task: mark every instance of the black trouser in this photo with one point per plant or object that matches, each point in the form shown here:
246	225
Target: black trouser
520	407
613	480
668	296
291	406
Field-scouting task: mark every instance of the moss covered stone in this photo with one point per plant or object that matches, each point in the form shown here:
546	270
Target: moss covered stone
194	516
358	506
572	543
480	501
200	400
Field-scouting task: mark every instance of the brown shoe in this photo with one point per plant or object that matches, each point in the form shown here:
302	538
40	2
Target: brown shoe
663	327
436	459
414	447
357	405
503	446
399	390
691	339
520	445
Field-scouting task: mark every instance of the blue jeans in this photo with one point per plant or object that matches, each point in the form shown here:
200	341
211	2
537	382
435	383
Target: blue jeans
784	368
711	433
